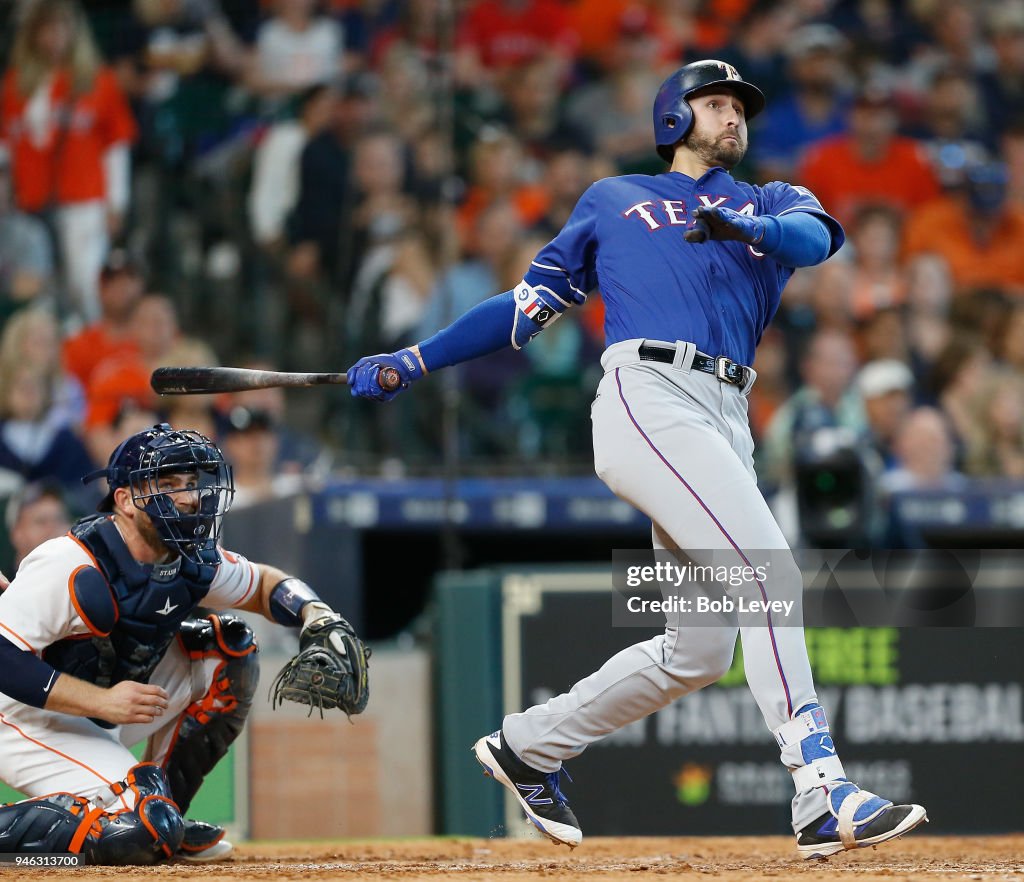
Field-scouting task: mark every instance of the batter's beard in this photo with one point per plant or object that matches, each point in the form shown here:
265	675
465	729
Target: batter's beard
718	152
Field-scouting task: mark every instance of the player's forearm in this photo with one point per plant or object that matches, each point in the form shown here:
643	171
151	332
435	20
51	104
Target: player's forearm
69	695
482	330
509	319
125	702
795	239
512	318
260	601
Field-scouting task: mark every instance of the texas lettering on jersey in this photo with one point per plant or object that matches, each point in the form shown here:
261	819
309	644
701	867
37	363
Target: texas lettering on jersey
624	237
678	214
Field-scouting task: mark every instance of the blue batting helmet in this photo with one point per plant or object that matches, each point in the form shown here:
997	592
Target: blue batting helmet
139	462
673	117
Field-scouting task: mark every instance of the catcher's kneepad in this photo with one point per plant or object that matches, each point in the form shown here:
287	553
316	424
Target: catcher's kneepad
210	724
331	669
147	833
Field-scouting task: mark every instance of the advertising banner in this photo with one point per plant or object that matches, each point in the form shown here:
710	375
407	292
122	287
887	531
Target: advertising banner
933	715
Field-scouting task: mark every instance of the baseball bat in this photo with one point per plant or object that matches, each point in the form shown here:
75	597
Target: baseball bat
206	380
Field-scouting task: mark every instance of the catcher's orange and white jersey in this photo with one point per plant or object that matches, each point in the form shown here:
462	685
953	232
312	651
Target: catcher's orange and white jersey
44	752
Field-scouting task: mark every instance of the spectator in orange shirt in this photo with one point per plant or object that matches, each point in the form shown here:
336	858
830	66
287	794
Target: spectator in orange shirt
596	23
125	376
120	383
68	127
868	163
496	177
977	231
120	287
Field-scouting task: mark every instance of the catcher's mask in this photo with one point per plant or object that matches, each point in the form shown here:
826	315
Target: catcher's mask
192	526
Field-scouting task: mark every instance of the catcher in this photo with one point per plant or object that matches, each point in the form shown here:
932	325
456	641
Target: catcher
101	648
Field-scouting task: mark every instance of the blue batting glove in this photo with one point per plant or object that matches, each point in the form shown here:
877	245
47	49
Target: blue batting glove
724	223
364	376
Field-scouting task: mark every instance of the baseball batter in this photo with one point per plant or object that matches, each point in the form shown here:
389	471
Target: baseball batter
691	265
102	649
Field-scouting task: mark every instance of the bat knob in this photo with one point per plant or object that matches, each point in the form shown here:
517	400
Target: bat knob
389	379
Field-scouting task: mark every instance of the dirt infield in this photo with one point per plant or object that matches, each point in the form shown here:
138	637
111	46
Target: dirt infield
733	859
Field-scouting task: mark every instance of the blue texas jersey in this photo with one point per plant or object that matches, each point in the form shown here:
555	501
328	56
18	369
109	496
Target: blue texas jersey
625	237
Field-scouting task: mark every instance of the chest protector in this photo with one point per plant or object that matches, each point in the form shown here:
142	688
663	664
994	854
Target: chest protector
133	610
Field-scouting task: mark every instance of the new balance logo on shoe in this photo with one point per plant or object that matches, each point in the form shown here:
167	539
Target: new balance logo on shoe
532	794
536	792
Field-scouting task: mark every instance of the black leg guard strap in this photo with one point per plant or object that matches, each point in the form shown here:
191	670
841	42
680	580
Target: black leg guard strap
63	822
210	724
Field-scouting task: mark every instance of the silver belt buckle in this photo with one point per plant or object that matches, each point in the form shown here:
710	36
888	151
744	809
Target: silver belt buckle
722	365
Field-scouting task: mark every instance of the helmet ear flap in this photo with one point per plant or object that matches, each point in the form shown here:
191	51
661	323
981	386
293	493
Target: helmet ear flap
674	126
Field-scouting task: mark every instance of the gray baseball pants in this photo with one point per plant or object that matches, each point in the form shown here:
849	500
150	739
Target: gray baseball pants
676	444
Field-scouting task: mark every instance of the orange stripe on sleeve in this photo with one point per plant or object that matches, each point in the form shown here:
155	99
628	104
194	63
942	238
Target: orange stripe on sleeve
17	636
253	582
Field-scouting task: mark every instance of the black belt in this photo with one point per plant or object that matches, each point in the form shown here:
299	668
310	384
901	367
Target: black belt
727	370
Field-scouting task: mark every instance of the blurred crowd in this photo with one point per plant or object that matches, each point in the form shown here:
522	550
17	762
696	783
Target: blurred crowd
292	184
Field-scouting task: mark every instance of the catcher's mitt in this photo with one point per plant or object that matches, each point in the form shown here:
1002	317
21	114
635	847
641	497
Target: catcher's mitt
331	669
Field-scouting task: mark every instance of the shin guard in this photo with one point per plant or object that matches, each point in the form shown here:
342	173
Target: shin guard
63	822
209	725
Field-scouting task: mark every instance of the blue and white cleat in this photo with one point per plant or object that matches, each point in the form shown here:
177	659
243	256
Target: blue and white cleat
856	819
545	805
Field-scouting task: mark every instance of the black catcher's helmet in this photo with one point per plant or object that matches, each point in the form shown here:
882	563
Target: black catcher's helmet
673	117
139	462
